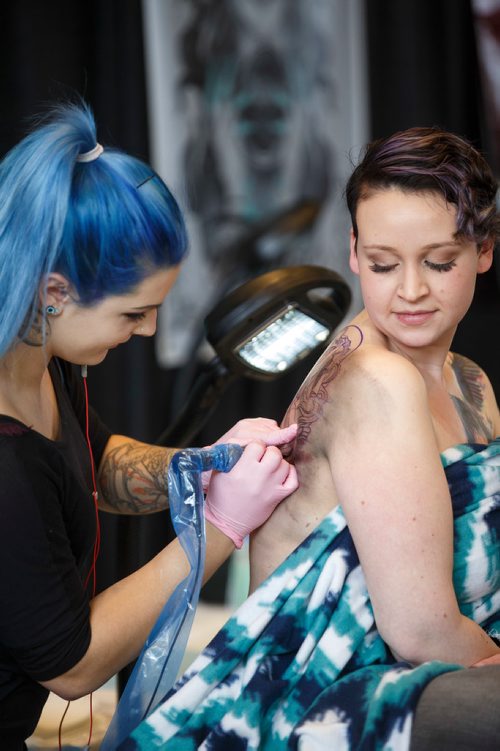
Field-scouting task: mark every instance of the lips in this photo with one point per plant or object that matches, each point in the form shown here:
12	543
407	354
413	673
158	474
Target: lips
414	318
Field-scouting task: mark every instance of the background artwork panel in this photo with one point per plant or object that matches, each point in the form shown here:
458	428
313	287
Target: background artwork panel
255	108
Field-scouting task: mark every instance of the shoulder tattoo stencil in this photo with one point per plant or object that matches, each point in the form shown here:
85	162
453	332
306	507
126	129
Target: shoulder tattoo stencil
309	402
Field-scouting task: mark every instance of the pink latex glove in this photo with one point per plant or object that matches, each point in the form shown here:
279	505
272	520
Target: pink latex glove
258	429
254	429
241	500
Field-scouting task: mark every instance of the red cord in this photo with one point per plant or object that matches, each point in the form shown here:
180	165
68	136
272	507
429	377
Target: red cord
97	545
97	542
61	724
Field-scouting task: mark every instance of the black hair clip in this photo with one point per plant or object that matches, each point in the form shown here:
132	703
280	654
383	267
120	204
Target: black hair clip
150	177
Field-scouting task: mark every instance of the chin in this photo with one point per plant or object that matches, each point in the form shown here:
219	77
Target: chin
96	359
420	339
411	337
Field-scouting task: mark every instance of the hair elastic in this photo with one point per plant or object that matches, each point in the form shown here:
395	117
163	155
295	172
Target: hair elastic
89	156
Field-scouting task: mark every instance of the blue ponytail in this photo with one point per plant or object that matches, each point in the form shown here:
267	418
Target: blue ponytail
104	224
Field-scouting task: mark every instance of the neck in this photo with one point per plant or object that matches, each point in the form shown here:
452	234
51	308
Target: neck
23	367
429	364
429	361
26	390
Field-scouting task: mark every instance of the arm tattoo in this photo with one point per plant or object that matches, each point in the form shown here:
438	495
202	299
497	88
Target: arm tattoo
310	400
470	408
133	478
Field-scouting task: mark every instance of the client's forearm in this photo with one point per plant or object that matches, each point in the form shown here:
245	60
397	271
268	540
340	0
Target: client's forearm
462	642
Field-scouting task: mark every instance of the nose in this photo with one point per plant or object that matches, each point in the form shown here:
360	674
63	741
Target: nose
413	285
147	326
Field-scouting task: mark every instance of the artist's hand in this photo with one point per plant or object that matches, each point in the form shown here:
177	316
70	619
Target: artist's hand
241	500
254	429
259	429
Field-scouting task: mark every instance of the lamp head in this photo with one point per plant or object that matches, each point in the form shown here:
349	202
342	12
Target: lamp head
272	322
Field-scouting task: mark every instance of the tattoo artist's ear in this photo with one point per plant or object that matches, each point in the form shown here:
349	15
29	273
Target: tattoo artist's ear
353	256
485	256
54	290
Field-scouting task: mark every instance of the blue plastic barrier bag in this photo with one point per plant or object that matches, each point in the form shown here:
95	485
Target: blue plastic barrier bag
158	664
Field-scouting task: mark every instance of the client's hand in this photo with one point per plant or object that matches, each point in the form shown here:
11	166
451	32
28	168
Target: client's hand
241	500
493	660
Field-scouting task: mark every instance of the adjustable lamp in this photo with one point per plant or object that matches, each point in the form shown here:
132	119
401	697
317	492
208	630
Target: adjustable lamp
269	324
261	330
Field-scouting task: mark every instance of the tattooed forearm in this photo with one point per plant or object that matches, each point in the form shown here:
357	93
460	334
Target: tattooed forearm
307	406
133	478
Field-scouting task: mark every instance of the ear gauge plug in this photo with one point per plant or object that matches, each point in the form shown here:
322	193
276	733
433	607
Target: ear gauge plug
51	310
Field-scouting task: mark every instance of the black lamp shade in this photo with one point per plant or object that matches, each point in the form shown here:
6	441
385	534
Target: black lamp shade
282	296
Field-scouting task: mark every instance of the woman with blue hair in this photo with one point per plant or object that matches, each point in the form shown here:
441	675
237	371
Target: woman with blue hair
90	244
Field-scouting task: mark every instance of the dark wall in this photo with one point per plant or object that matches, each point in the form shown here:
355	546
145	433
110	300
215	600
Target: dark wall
423	66
93	48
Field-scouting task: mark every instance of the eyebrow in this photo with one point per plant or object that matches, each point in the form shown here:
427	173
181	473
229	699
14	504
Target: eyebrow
146	307
430	246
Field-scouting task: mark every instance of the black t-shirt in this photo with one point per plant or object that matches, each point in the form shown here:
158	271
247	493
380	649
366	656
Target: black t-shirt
47	534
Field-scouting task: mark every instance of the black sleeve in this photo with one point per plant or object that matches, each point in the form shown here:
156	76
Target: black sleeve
99	432
44	614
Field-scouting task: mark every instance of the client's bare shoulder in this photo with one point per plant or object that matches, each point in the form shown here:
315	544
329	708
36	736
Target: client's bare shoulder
317	408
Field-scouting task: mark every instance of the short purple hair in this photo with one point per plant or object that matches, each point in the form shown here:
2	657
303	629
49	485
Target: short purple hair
431	159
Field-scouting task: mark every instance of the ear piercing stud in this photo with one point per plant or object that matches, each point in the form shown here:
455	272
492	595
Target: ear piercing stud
51	310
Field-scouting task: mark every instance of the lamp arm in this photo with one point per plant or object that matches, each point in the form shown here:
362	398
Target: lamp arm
202	400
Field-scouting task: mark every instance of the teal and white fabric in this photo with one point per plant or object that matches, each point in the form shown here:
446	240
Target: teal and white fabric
301	664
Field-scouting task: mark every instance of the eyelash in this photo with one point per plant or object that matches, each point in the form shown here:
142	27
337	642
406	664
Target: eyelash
135	316
381	269
440	267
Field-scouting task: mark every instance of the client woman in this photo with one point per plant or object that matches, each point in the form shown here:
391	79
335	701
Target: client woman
382	571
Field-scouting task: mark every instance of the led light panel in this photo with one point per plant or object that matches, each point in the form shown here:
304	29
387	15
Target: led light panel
285	340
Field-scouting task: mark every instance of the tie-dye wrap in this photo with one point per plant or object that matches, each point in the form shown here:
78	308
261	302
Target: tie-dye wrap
301	664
